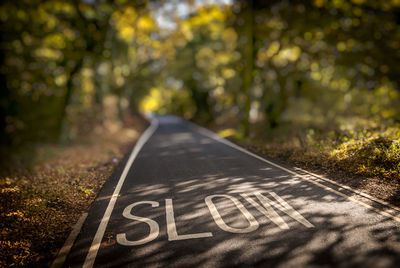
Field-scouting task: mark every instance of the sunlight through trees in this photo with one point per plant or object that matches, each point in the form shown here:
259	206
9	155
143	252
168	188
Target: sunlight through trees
253	65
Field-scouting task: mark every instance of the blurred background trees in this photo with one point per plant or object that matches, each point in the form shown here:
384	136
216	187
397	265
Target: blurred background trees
256	66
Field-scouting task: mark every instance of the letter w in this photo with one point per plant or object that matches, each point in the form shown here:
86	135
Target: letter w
267	209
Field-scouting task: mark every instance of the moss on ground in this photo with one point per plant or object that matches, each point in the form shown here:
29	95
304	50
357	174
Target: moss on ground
367	159
371	153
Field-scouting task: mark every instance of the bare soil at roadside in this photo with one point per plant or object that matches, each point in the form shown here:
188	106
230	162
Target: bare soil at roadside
41	199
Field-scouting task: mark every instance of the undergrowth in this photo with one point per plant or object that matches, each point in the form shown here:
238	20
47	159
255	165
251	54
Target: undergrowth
371	153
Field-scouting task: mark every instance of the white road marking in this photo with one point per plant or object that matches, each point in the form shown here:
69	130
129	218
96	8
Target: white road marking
94	248
267	208
283	206
268	211
63	253
216	137
154	228
253	223
171	226
367	196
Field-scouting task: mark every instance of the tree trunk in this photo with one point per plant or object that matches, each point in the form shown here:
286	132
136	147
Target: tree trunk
200	98
274	109
62	122
6	102
248	63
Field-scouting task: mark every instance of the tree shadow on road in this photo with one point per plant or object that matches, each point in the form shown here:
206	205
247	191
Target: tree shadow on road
185	166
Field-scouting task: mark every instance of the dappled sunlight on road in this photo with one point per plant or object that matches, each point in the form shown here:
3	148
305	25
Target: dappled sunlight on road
231	209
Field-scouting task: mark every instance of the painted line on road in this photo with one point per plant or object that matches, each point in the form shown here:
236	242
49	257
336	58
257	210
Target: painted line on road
392	209
94	248
218	138
63	253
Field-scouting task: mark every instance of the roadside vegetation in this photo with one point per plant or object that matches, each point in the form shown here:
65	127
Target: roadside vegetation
368	160
45	187
368	152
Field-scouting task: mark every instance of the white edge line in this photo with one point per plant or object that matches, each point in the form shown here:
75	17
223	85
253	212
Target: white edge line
382	202
63	253
218	138
91	256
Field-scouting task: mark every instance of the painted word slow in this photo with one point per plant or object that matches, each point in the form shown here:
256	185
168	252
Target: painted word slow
267	206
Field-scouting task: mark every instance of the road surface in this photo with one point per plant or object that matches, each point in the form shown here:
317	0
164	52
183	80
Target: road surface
186	198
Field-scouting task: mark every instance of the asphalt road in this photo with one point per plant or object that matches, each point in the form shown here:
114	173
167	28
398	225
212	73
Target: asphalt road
191	199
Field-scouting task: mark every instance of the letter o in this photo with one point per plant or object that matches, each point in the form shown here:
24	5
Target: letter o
253	224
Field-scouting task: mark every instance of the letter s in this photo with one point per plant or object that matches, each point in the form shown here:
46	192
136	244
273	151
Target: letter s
154	228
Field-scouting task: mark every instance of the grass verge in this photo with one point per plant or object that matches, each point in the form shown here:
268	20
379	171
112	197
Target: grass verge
367	160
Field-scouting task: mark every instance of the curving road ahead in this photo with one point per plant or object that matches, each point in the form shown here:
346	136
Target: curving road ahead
186	198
